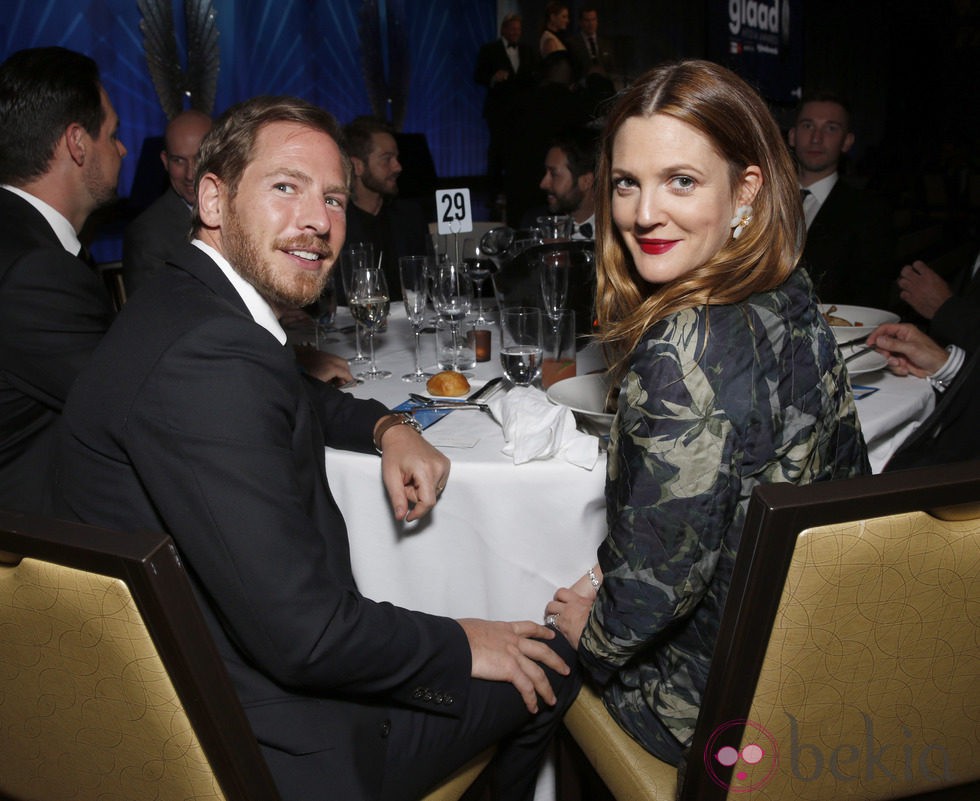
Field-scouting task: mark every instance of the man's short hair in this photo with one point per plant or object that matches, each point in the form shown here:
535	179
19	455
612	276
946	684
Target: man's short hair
827	96
43	90
358	135
580	146
508	19
229	146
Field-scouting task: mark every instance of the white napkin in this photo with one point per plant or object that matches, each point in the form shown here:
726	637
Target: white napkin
536	428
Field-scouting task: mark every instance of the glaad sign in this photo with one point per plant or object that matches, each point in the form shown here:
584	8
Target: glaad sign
756	14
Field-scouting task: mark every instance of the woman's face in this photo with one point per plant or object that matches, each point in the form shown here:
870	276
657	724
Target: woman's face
559	20
672	198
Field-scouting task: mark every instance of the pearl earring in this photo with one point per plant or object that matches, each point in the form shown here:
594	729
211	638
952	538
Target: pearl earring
743	216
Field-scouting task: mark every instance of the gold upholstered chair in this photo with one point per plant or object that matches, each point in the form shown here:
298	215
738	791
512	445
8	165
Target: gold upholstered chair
848	660
110	683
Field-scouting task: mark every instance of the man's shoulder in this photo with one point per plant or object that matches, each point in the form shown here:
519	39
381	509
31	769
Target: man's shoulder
22	227
166	209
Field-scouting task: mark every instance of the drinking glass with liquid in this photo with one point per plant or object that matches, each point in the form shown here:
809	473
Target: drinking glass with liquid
522	344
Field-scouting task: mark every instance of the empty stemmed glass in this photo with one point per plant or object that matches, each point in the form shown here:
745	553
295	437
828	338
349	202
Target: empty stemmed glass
414	273
554	282
357	255
369	306
451	288
478	269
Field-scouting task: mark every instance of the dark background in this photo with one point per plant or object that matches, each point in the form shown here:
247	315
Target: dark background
910	70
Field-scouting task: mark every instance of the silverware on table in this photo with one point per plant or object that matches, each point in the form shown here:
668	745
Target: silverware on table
858	352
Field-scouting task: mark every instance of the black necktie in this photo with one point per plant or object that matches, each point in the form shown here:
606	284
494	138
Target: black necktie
511	46
592	49
85	256
803	194
585	229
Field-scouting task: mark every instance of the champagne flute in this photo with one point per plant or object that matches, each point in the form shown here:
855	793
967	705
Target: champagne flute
522	344
554	282
451	289
369	305
478	269
356	255
414	274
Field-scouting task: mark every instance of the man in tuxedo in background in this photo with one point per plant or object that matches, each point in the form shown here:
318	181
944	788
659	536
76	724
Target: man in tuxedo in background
505	67
395	226
850	243
59	162
155	234
569	180
192	419
593	53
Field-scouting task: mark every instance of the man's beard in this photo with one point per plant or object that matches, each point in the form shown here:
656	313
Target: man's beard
568	202
102	193
381	187
283	290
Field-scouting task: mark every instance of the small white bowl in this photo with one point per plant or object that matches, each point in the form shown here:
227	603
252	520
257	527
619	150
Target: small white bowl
585	395
863	319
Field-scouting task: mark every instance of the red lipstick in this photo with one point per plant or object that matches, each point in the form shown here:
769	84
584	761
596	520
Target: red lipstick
656	247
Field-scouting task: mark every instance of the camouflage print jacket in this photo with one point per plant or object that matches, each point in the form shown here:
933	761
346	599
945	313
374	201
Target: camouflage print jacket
717	399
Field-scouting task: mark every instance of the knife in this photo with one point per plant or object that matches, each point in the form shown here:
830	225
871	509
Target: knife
472	398
859	352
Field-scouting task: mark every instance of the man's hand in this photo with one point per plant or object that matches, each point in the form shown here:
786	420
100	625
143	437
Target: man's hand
908	350
505	651
414	473
327	367
923	289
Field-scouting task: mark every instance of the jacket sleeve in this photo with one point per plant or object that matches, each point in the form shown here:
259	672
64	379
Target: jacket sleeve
670	497
223	437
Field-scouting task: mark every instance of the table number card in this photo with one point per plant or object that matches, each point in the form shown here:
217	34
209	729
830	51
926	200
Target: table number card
454	213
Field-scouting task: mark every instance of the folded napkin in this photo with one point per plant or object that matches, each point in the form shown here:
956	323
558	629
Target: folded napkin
536	428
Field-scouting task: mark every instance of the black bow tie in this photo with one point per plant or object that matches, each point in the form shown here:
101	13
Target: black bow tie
585	229
511	46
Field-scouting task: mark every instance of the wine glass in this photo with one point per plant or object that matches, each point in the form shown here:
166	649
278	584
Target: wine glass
553	272
522	344
414	273
325	312
369	305
451	289
357	255
478	269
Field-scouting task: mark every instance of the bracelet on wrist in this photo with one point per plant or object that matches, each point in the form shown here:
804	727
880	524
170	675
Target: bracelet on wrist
594	579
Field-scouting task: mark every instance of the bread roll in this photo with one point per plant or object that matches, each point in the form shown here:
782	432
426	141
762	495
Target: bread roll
448	383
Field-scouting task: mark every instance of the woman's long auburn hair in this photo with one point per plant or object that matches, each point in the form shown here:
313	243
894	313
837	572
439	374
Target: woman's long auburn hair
735	120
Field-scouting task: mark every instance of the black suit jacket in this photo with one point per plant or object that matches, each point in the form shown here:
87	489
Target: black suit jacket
491	58
53	311
192	419
957	321
850	248
153	237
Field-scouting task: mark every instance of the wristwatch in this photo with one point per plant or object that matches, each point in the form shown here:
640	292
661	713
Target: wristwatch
392	420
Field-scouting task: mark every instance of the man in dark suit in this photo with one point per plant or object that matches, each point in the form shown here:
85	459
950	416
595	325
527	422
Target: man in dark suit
59	161
505	67
192	419
850	243
950	433
395	227
155	234
593	53
952	309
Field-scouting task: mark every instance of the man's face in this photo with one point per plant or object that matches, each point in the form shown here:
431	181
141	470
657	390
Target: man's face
105	157
564	192
820	136
285	226
512	31
588	22
381	170
184	137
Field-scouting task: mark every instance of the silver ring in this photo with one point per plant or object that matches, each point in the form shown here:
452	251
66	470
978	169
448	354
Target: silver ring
552	620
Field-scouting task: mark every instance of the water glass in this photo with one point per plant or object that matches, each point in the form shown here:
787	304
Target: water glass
522	343
451	289
414	272
453	352
555	227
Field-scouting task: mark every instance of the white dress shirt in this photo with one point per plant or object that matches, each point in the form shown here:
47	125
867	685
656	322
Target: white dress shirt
818	193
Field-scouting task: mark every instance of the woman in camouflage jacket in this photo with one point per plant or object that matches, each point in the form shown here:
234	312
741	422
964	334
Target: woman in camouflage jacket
728	378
